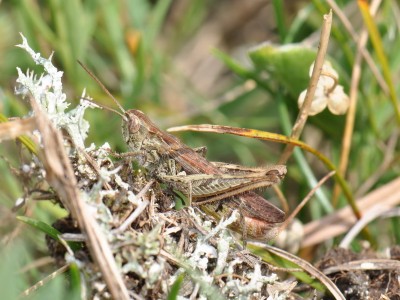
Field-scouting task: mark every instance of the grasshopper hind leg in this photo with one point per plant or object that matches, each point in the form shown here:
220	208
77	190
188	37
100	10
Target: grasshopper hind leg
243	226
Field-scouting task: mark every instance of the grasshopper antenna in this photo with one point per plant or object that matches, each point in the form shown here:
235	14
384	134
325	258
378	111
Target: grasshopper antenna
104	106
103	88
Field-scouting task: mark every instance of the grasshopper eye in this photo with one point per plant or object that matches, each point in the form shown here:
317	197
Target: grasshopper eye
133	123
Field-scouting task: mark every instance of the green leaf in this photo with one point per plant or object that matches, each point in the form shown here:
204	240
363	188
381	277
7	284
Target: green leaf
288	64
47	229
181	201
75	281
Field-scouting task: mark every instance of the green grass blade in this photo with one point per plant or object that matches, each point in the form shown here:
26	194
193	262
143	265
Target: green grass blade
173	294
382	57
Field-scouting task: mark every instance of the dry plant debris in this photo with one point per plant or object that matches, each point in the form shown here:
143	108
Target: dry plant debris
363	275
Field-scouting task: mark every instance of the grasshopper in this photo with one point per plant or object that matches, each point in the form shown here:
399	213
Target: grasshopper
217	188
164	155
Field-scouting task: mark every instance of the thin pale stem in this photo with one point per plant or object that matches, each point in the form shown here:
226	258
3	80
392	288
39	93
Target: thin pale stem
319	61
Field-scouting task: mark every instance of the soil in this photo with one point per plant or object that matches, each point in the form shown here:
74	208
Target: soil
363	275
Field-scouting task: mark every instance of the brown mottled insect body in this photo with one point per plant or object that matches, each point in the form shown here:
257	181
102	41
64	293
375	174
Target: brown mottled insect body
172	162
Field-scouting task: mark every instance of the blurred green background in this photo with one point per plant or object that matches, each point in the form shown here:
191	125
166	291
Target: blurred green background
185	62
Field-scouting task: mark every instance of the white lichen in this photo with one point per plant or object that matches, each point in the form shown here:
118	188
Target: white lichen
47	91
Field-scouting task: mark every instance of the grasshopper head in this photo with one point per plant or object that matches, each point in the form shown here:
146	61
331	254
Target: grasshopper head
134	130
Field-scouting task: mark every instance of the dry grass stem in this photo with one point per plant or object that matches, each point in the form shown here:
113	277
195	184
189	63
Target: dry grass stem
368	216
305	201
350	118
42	282
365	264
60	175
282	199
341	221
367	56
141	206
13	129
319	61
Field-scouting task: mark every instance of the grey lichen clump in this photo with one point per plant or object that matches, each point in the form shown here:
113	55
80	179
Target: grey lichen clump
152	244
47	91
